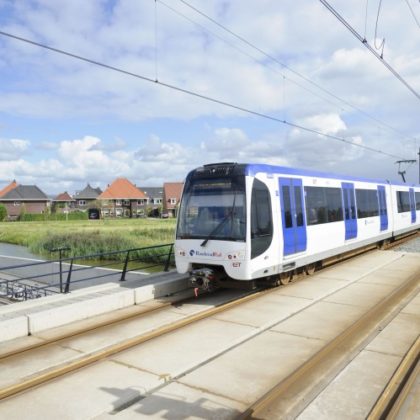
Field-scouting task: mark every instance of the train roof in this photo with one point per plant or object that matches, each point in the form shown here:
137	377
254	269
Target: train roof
234	169
255	168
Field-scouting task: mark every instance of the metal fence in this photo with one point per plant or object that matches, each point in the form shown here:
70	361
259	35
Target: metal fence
36	279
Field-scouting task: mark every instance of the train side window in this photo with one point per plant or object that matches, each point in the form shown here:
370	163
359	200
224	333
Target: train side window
382	203
287	206
352	205
417	200
316	206
299	207
261	219
367	203
323	205
334	204
346	205
403	200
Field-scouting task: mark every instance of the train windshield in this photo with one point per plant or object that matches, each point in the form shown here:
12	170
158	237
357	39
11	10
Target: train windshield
213	209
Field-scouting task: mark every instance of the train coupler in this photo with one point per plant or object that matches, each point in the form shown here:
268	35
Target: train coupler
203	279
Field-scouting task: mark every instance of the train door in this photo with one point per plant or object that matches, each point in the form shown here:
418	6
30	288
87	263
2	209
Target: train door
293	215
350	219
412	205
383	213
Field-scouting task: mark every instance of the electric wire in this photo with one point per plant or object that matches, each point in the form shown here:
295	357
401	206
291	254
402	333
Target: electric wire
296	73
196	94
412	13
366	14
240	50
370	48
156	43
382	45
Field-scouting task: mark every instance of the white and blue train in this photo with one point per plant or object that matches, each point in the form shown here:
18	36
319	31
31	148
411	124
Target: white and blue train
249	221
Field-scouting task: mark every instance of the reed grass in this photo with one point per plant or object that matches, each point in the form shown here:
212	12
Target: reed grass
86	237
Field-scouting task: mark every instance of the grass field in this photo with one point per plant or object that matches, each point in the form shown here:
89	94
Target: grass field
86	237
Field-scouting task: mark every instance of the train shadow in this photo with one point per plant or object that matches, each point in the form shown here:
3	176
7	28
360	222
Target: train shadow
177	405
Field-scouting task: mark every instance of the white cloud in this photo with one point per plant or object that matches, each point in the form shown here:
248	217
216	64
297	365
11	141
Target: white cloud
13	148
157	151
325	123
226	141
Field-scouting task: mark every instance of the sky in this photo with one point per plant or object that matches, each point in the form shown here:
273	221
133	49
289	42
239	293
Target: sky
64	122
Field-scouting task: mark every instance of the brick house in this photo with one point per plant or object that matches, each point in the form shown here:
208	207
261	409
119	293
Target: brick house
20	199
172	192
87	197
8	188
63	203
122	199
152	205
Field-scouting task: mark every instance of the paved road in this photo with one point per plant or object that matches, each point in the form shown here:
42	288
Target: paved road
44	272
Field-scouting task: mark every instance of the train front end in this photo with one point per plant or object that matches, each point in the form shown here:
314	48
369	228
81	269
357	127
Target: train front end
212	226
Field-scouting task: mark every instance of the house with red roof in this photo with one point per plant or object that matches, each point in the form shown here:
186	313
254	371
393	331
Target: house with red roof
8	188
172	192
20	199
122	199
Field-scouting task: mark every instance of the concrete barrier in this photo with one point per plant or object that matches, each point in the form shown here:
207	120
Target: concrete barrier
161	289
13	327
28	305
79	308
24	318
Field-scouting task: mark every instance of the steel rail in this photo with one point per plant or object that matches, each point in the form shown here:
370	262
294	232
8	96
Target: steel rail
96	325
393	396
89	359
299	386
409	236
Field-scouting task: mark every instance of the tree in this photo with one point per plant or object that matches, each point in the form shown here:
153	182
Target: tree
3	212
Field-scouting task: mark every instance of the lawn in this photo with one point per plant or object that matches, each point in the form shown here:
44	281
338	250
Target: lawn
86	237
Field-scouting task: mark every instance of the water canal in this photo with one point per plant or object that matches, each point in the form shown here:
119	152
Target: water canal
17	251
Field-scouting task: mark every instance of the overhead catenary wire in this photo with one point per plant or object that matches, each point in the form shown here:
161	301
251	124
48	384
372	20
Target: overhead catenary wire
196	94
382	44
412	13
366	14
156	43
370	48
240	50
296	73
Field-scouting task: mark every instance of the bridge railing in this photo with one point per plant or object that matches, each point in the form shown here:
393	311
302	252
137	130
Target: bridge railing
42	278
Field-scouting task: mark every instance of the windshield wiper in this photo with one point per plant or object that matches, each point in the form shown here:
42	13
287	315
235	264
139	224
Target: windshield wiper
216	229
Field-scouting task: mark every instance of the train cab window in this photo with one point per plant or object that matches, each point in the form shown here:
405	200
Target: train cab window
403	201
213	208
323	205
261	219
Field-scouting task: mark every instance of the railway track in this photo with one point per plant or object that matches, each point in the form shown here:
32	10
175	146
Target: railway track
392	399
401	240
86	360
104	321
95	327
290	396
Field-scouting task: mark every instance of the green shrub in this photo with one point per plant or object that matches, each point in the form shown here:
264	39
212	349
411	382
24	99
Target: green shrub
3	212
